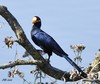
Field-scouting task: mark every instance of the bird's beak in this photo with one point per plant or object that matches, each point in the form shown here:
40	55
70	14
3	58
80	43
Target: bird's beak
34	20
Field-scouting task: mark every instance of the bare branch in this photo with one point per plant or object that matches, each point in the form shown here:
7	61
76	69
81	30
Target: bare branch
20	62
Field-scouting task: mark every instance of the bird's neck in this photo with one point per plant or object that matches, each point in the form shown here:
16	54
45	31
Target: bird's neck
36	27
34	30
38	24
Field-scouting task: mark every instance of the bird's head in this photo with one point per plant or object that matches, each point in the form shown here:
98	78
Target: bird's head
36	21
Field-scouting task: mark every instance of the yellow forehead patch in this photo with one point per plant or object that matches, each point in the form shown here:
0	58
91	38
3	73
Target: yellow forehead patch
34	20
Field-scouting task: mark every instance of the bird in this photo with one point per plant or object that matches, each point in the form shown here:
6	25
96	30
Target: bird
48	44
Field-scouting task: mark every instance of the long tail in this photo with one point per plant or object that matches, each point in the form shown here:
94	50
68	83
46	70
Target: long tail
75	66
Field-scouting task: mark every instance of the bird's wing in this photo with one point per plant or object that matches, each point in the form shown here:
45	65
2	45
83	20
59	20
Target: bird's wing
45	41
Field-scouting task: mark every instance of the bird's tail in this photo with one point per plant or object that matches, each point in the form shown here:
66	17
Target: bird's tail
75	66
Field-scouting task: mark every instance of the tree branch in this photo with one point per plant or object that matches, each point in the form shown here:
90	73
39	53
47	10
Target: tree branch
19	62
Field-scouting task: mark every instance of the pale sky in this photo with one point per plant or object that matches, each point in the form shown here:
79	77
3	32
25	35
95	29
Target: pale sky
67	21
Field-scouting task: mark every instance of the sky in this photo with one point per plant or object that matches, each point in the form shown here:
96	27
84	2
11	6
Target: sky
69	22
